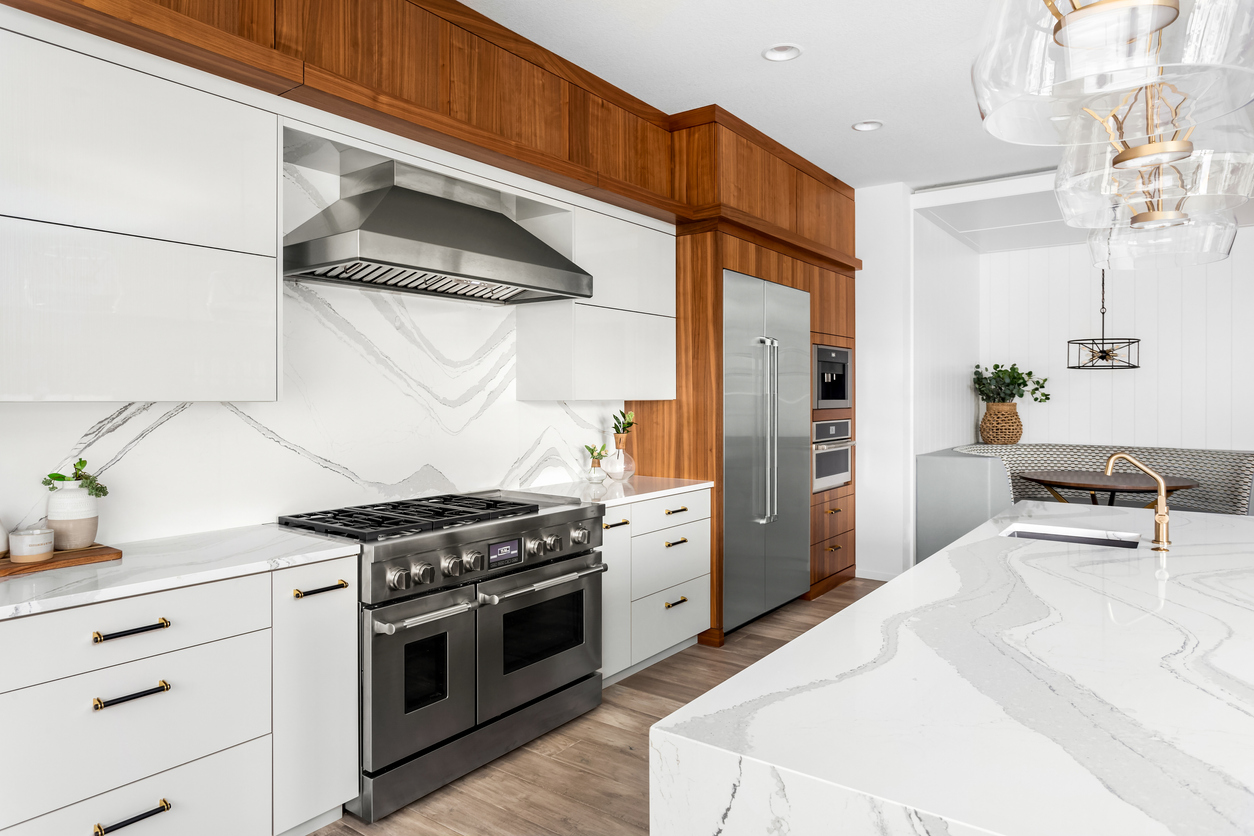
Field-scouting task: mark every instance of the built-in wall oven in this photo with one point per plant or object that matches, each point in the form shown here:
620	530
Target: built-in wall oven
832	369
832	453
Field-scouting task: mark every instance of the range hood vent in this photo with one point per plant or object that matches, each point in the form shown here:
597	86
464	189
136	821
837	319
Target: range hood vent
385	234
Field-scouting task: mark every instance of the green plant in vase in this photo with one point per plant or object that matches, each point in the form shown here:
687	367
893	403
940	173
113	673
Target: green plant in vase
998	390
596	454
621	466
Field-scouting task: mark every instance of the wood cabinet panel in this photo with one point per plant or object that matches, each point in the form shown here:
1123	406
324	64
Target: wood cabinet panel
748	258
755	181
824	215
831	303
836	516
831	556
695	165
618	144
501	93
251	19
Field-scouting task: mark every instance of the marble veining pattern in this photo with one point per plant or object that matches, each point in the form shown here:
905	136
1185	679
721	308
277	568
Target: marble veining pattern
610	493
1016	687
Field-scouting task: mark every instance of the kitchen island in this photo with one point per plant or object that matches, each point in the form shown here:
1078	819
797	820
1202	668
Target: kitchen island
1009	686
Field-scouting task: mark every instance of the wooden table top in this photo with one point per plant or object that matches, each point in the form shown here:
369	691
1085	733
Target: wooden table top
1095	480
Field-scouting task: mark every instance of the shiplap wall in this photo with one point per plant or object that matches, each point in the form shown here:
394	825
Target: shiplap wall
946	338
1196	384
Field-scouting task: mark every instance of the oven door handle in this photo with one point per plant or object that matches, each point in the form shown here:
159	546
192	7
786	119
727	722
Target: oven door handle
384	628
492	600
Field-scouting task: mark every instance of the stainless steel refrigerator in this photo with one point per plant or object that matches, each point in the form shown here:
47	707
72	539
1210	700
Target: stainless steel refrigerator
766	446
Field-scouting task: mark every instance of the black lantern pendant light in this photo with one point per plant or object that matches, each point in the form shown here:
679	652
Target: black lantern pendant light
1104	352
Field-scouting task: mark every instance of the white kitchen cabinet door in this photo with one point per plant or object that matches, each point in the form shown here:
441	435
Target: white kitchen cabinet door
315	691
632	267
616	591
95	316
88	143
623	355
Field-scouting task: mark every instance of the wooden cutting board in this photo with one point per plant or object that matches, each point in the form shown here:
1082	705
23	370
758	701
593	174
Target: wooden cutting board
95	553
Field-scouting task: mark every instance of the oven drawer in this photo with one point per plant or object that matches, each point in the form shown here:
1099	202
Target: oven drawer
831	518
661	559
224	793
656	626
41	648
668	511
219	695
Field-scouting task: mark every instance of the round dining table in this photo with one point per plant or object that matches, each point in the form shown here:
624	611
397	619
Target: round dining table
1095	482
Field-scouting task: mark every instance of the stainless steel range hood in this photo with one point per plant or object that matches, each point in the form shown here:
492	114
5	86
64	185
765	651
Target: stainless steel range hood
396	227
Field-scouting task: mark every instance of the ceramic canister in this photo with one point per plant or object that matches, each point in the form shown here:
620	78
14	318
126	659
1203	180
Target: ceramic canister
30	545
73	514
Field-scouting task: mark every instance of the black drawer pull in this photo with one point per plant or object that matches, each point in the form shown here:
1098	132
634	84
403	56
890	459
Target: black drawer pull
296	593
833	548
615	525
683	599
678	510
833	510
97	638
98	704
678	542
101	830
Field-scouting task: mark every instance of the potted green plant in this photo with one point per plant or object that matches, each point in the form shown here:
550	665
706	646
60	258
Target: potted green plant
620	466
595	473
999	389
73	513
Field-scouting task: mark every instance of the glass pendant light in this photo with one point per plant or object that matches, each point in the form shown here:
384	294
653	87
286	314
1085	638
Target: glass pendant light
1218	176
1202	240
1146	69
1104	352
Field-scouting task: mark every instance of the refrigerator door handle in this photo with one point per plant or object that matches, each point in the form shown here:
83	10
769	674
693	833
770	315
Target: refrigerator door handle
774	430
770	396
767	384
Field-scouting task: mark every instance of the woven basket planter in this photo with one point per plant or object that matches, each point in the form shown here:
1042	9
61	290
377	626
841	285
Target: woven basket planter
1001	424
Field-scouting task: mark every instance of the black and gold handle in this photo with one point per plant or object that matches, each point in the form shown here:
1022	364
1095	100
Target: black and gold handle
683	599
98	704
102	829
833	510
98	637
617	524
681	509
342	584
833	548
678	542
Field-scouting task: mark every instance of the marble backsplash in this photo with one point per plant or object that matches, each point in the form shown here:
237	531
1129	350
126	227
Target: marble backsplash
384	396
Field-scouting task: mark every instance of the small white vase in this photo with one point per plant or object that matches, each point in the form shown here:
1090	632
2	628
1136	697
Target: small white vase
73	515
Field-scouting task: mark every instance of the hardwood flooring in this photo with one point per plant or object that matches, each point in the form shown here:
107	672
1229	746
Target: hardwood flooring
591	776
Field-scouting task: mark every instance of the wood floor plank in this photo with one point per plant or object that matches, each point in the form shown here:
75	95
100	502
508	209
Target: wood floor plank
542	806
650	704
607	761
596	791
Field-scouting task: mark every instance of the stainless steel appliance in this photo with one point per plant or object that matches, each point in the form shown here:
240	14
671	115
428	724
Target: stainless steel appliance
766	446
832	464
839	430
480	631
833	377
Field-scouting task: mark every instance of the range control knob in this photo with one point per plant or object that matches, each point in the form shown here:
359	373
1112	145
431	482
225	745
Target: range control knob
535	548
553	543
398	579
473	561
422	573
579	535
451	566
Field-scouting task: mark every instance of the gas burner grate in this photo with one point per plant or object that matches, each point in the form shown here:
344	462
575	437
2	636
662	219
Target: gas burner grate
496	508
435	516
359	523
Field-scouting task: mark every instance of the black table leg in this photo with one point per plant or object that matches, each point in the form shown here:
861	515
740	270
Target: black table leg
1112	498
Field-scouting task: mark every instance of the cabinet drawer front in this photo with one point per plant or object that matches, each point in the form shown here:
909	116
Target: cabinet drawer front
655	627
224	793
40	648
219	695
669	511
831	518
655	565
831	556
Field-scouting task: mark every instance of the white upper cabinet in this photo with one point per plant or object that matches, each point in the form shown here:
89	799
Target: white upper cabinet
87	143
632	266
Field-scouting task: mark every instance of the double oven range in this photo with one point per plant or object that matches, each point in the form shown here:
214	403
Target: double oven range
480	631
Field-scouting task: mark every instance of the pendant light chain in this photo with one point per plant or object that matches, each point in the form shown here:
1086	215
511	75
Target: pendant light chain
1103	304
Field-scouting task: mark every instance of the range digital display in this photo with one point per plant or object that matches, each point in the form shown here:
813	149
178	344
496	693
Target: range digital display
503	554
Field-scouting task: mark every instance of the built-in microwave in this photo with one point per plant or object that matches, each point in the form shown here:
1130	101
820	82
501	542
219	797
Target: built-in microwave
833	377
832	465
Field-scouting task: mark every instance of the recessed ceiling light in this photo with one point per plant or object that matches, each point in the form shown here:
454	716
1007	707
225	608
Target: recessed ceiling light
781	52
868	125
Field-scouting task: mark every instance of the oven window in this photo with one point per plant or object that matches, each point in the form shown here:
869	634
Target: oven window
426	672
535	633
831	464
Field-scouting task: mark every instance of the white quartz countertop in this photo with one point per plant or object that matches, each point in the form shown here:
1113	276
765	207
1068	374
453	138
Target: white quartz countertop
620	493
1002	686
167	563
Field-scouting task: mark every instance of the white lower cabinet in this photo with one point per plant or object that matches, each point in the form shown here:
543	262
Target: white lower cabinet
666	564
315	690
227	792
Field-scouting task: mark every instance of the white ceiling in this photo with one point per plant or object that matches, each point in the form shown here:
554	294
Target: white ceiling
904	62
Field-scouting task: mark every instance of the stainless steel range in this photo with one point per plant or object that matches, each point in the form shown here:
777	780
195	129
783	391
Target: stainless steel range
480	631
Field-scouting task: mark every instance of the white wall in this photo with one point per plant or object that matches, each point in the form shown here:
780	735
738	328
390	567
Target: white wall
946	338
1196	327
883	382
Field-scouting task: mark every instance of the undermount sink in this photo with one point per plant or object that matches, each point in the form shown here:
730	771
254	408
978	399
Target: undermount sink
1083	536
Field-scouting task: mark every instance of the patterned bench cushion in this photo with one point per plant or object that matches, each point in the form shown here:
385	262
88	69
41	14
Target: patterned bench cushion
1224	475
